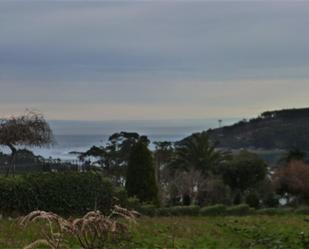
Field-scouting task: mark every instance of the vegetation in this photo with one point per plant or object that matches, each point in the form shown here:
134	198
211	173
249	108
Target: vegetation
93	231
69	193
285	129
292	182
244	171
255	232
140	180
29	129
113	158
189	165
198	153
192	177
218	209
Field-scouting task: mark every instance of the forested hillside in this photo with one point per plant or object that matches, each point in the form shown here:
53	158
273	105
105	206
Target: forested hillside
283	129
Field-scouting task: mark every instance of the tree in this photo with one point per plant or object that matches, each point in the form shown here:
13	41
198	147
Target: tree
163	155
30	129
292	181
140	180
114	156
253	200
293	155
199	153
213	192
120	144
186	186
244	171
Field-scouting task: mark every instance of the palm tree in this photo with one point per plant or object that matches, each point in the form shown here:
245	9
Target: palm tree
199	153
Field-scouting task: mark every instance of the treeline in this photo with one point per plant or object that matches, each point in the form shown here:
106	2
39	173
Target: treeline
195	172
284	129
192	172
25	161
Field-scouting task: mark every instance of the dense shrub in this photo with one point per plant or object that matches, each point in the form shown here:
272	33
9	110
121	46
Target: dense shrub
133	203
15	196
244	171
293	180
237	199
164	211
271	200
252	199
214	192
148	209
242	209
120	196
302	210
66	193
213	210
184	211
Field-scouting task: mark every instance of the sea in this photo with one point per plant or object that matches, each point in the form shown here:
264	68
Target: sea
79	136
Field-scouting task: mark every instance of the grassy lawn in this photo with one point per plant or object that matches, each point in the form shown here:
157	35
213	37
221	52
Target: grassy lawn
273	232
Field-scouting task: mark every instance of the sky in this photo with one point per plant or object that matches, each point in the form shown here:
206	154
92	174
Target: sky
152	60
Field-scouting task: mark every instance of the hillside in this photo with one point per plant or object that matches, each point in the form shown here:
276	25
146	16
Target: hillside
283	129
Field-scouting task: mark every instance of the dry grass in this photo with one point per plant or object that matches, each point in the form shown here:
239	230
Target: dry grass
93	231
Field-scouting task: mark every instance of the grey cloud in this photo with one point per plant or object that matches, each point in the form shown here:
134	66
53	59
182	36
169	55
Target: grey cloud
149	52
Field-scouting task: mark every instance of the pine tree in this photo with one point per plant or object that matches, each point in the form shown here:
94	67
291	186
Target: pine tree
141	181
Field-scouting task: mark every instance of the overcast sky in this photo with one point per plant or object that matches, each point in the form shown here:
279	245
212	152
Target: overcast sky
103	60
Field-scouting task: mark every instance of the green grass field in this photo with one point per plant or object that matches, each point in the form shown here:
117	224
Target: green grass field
273	232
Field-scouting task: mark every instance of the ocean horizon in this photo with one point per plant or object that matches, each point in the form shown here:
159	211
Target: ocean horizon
79	136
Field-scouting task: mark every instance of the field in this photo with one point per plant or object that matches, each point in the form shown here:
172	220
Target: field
269	232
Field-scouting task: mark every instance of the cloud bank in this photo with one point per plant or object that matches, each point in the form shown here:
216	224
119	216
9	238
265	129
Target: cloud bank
144	60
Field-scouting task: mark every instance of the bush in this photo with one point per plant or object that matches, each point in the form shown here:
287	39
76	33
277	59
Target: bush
179	211
121	197
213	210
242	209
253	200
302	210
164	212
15	196
237	199
184	211
214	192
271	200
69	193
133	203
148	210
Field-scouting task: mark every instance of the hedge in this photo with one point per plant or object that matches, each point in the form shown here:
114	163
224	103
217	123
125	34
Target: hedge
242	209
148	210
185	211
218	210
152	210
165	211
302	210
67	193
214	210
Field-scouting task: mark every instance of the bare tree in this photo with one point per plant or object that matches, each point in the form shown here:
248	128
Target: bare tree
29	129
185	186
